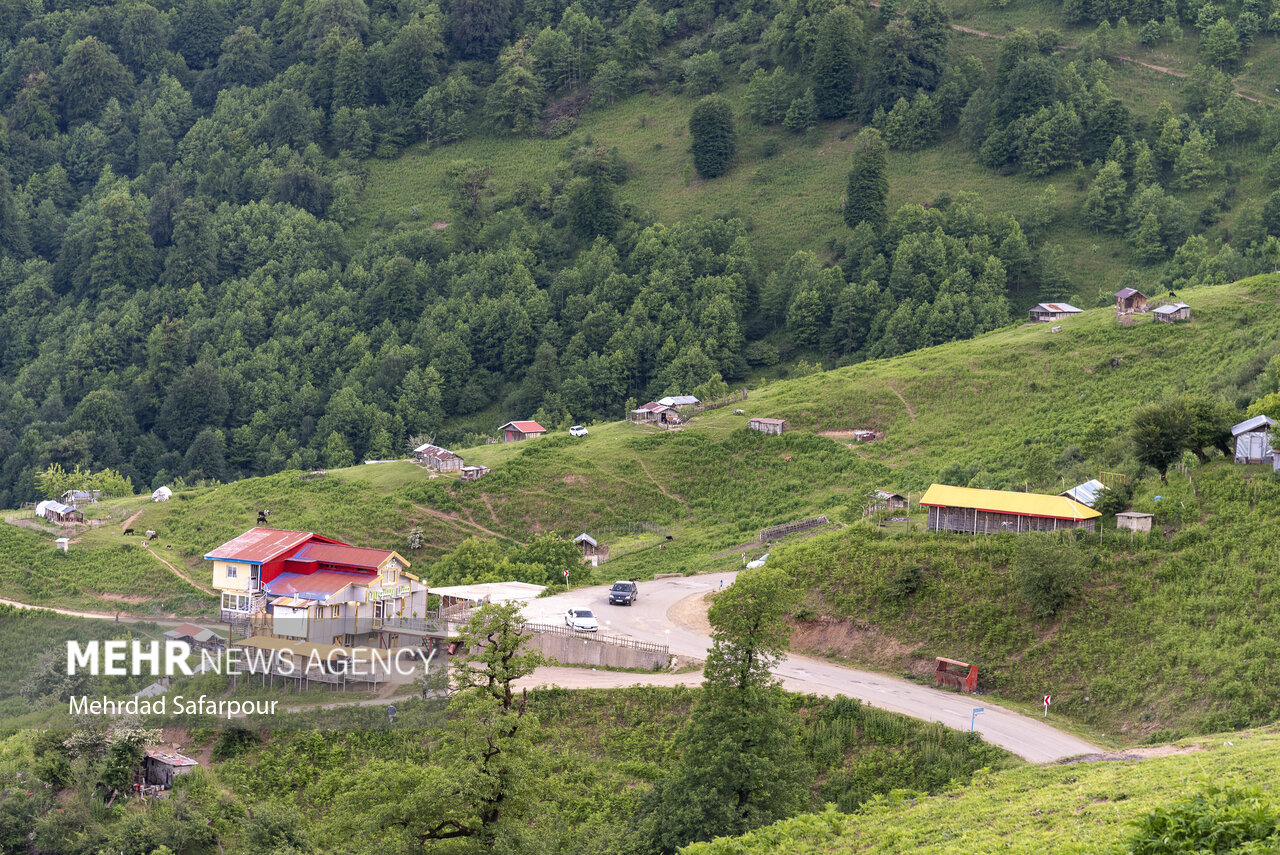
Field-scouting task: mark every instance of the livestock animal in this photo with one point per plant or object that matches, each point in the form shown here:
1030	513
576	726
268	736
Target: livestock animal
128	531
262	517
151	534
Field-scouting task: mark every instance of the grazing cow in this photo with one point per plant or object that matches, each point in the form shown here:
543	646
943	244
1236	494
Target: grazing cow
128	531
151	535
262	517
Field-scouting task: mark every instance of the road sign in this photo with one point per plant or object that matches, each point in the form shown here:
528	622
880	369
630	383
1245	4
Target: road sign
566	577
1047	700
977	711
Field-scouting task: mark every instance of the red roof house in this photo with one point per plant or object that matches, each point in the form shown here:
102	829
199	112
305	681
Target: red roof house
516	431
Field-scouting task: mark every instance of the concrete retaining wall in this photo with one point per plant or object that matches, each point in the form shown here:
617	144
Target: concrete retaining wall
586	650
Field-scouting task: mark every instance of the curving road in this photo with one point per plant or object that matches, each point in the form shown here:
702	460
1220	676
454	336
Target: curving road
651	619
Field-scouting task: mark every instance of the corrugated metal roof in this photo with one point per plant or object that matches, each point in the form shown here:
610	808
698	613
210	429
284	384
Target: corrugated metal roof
525	427
190	630
313	586
1126	293
1007	502
260	544
1059	308
1087	492
170	758
435	451
885	494
1171	308
55	506
1254	423
585	537
352	556
770	421
678	400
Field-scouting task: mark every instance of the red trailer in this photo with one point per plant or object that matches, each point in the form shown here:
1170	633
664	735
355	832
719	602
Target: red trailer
955	674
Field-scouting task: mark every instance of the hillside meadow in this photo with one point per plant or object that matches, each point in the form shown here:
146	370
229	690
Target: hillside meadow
1073	809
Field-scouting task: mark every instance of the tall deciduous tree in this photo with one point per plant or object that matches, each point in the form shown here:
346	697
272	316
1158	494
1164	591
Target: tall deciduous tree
1161	433
713	136
867	191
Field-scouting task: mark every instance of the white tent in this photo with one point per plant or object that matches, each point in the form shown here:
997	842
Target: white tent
162	494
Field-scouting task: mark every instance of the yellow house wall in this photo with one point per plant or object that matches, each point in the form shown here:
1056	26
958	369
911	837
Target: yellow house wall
239	583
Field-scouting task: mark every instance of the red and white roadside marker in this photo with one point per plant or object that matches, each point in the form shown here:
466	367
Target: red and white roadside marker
1048	699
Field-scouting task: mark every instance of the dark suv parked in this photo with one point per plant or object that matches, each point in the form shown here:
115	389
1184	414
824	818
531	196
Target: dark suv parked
623	593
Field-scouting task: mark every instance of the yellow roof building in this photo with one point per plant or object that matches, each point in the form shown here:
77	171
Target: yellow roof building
1007	502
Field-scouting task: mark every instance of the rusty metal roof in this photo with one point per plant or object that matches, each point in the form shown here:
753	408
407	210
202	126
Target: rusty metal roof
1007	502
764	421
1126	293
259	544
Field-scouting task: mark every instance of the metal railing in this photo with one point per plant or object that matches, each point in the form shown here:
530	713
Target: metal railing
631	643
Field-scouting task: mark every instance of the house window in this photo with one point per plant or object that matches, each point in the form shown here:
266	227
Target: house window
333	611
235	602
379	609
231	571
390	574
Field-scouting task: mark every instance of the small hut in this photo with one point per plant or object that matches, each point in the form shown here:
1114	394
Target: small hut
56	512
519	431
198	637
75	498
884	500
1134	521
473	473
1172	312
1130	300
63	544
592	552
437	458
160	767
1042	313
1252	437
769	426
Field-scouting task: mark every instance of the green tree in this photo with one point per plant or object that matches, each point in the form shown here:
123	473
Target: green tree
88	78
516	97
1104	205
835	62
206	459
413	59
1220	44
1049	572
802	113
1194	166
702	73
1161	432
244	60
124	257
713	136
351	77
740	766
478	28
867	190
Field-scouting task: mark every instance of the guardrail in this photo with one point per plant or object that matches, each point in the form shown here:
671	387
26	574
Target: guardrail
631	643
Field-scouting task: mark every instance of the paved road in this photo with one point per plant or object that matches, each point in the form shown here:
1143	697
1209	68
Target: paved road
651	619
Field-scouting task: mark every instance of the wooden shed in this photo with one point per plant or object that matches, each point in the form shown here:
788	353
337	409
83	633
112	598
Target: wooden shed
974	511
474	473
437	458
770	426
1134	521
1253	439
884	500
1042	313
56	512
592	552
1130	300
517	431
1172	312
160	767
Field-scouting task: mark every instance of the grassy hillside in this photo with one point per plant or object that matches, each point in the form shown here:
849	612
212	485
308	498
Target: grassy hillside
1073	809
787	187
711	485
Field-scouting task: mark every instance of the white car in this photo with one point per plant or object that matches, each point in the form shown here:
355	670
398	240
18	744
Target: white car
577	430
581	620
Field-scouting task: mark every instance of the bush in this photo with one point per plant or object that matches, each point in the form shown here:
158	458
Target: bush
1217	819
906	581
1048	572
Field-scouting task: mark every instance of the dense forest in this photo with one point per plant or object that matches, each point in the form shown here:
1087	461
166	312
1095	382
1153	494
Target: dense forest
188	291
